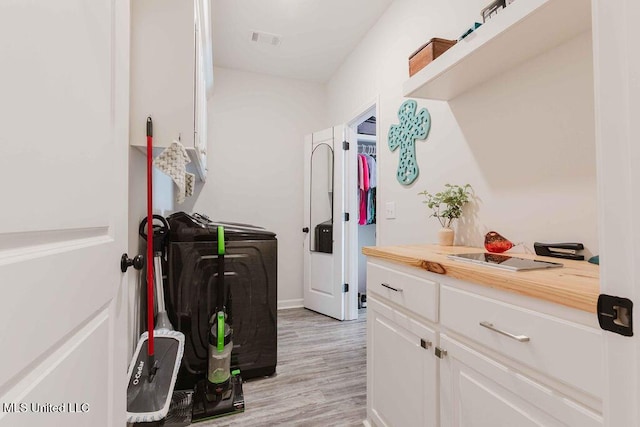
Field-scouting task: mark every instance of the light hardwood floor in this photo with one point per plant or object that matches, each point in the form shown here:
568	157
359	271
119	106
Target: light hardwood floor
320	377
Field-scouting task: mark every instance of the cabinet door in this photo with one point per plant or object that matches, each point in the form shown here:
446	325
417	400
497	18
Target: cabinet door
477	391
401	373
200	91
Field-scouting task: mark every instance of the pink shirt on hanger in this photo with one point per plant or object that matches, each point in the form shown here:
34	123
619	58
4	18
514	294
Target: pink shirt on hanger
365	172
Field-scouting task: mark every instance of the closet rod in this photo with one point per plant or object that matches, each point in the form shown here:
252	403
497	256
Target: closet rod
367	149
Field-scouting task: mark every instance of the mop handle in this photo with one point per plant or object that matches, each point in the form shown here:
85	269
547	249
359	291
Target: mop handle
150	236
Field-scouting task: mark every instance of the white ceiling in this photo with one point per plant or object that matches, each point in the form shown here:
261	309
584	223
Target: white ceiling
317	35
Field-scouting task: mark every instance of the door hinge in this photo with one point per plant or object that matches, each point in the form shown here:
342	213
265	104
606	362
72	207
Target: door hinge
440	352
345	145
615	314
425	344
346	216
345	288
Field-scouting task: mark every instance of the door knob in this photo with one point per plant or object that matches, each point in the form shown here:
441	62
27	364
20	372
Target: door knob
125	262
305	230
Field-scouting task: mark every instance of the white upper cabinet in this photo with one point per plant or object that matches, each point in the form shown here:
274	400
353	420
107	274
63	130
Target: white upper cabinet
171	74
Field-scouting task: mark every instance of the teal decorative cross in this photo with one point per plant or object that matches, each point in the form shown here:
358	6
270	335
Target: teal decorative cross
412	126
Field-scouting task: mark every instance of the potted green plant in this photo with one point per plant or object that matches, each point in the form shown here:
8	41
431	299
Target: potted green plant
447	206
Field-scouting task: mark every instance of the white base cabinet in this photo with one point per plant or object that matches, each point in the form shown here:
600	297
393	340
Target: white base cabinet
402	390
438	366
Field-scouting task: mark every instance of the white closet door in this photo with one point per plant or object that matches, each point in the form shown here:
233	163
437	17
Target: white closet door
324	264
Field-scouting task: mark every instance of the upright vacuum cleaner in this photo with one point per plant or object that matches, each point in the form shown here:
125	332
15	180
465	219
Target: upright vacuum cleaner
221	392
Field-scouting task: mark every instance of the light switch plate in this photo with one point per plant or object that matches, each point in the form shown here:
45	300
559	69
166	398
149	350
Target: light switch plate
390	210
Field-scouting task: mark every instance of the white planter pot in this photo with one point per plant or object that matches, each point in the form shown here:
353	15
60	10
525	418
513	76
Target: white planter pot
445	237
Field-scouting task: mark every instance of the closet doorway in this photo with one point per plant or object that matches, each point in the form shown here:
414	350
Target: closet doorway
362	185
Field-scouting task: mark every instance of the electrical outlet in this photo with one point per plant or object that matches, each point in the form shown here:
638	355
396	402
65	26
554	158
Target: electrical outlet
390	210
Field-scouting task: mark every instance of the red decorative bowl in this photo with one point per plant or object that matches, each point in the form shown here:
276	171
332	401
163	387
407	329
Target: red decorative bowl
494	242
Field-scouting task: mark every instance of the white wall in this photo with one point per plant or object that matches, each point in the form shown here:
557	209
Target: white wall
257	125
524	140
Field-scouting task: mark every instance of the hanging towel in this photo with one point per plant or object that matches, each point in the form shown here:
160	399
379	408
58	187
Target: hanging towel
189	184
173	161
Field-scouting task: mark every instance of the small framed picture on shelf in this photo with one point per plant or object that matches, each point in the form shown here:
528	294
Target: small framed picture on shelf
493	9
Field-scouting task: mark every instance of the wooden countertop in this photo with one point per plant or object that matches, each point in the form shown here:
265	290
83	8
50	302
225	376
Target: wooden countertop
576	284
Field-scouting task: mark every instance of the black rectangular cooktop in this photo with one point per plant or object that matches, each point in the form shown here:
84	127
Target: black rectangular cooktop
505	262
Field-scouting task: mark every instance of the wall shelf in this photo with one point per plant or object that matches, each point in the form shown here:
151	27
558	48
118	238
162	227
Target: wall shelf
523	30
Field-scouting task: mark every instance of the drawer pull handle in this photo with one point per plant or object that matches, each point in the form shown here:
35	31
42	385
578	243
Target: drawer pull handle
521	338
391	287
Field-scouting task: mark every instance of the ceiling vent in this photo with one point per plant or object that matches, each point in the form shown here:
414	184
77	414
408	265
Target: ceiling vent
265	38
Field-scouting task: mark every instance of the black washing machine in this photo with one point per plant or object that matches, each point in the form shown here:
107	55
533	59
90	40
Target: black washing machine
251	284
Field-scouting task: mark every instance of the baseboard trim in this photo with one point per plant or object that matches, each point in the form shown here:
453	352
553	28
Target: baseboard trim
290	303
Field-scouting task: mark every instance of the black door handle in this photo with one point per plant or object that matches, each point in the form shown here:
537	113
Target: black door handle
125	262
305	230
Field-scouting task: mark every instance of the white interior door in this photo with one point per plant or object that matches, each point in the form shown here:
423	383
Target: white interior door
324	266
63	168
617	81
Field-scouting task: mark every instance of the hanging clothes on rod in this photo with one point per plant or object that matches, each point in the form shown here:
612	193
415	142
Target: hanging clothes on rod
371	194
367	183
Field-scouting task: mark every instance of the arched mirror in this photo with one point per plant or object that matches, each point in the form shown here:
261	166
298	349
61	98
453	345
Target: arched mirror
321	200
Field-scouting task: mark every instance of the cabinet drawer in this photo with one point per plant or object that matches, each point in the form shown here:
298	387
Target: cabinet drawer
412	292
566	351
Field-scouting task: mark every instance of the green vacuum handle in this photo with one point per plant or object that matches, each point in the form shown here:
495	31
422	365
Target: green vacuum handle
220	240
220	303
